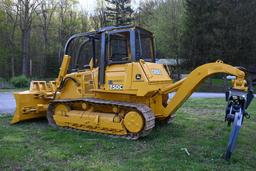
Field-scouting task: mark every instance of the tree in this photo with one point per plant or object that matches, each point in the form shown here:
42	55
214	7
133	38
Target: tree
169	26
3	51
26	9
10	23
119	12
37	30
220	29
98	19
84	19
68	23
145	12
201	28
238	37
45	14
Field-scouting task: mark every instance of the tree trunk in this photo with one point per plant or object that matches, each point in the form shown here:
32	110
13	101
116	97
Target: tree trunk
12	67
25	51
45	52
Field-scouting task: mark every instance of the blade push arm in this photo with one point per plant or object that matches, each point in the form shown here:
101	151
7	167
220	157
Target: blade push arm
63	69
184	88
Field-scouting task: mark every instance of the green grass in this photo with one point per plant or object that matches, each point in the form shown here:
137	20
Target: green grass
220	82
198	126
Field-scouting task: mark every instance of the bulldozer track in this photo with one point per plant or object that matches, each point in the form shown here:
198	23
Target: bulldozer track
142	108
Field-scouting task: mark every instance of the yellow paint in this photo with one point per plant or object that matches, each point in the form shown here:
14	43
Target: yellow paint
86	120
61	110
187	86
63	69
133	122
136	82
29	105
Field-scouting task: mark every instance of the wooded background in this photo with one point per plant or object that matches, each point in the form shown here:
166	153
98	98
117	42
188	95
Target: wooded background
33	32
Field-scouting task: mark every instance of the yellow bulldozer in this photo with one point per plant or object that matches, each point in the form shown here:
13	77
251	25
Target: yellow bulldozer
118	89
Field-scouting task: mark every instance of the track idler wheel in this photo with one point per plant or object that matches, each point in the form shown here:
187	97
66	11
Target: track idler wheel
61	110
57	110
133	122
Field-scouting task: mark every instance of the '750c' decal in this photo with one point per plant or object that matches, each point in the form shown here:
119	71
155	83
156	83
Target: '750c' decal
116	87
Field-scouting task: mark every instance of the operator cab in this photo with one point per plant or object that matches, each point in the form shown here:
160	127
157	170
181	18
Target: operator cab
110	45
129	45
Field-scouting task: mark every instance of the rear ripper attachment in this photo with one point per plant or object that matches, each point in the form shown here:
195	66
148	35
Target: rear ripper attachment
238	102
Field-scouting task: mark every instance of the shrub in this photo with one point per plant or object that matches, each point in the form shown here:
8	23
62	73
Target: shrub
20	81
2	80
5	84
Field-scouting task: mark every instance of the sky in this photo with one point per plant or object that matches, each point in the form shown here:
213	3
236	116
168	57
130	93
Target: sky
90	5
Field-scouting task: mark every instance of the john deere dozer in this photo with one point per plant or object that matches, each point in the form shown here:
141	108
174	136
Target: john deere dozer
111	84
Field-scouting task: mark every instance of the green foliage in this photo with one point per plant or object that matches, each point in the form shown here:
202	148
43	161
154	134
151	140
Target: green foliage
220	29
201	28
202	31
20	81
168	29
53	22
199	31
2	80
118	12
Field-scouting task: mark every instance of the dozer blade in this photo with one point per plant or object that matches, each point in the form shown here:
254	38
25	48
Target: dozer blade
34	102
29	105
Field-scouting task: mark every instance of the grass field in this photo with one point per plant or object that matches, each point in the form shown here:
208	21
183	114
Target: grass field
198	126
